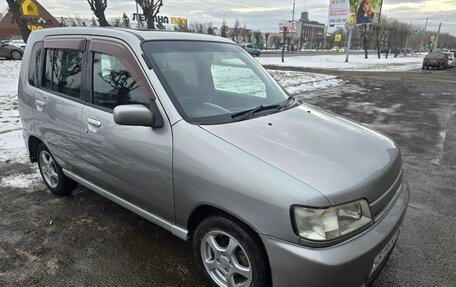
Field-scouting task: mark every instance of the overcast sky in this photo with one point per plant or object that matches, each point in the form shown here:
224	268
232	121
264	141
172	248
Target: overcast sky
265	15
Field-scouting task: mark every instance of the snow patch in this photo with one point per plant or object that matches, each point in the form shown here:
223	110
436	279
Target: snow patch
337	62
299	82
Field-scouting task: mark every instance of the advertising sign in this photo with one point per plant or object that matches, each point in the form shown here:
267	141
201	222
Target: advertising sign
361	12
163	19
290	27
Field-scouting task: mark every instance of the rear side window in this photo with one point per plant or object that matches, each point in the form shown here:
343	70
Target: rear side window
113	85
35	62
63	72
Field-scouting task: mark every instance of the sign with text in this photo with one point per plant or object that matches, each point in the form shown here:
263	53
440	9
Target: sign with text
338	37
290	27
360	12
162	19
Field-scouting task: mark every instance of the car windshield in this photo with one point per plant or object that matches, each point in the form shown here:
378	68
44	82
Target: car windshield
210	82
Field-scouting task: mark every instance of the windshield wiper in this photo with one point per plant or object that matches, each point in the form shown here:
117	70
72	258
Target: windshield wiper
243	115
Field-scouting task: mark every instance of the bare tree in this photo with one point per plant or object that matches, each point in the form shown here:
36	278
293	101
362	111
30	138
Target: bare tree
14	8
125	20
224	29
98	8
116	22
93	22
200	28
210	29
150	8
236	29
266	38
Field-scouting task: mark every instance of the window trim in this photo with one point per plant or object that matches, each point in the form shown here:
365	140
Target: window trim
65	42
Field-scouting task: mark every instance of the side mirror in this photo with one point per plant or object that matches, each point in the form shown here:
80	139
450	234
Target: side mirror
133	115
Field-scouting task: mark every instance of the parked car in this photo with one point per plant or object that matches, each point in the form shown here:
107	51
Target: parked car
10	52
251	49
451	60
18	43
436	60
191	133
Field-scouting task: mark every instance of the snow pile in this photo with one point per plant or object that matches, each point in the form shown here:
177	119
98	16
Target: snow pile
299	82
12	147
356	62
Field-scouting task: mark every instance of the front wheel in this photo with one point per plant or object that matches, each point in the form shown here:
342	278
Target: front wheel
229	255
52	173
258	54
16	55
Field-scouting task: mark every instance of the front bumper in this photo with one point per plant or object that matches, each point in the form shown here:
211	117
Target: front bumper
345	264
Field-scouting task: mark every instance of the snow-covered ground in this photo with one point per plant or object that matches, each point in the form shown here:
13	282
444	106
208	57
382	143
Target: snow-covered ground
299	82
12	147
356	62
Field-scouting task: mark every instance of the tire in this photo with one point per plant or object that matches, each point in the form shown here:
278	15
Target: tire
233	249
258	54
16	55
423	67
52	173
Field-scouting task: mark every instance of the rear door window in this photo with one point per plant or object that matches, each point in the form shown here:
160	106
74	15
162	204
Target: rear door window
63	72
35	64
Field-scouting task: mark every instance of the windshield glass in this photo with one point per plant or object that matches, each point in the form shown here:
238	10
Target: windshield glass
208	82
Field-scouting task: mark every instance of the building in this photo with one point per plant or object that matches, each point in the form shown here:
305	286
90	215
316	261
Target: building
36	16
304	34
312	34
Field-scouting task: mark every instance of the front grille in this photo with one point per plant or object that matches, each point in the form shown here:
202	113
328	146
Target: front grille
381	204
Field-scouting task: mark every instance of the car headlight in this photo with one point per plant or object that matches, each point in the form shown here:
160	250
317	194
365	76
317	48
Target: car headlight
331	223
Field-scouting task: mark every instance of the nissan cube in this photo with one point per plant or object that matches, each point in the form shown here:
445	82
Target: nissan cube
191	133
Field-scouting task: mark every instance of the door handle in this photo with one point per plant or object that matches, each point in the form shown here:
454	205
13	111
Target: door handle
94	122
40	104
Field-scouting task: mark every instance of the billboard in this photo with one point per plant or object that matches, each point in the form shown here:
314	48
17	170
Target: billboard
291	27
361	12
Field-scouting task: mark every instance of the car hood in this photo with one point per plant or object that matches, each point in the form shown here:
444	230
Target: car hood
341	159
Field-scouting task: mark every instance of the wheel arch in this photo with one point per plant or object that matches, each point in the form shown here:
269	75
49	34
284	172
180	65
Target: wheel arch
205	211
33	143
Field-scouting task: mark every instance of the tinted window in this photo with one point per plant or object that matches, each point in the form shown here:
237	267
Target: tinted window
63	72
35	62
113	85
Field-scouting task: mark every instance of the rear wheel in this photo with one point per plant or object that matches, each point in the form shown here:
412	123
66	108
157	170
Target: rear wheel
229	255
16	55
52	173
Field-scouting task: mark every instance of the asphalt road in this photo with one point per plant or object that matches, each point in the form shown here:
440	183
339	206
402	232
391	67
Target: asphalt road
86	240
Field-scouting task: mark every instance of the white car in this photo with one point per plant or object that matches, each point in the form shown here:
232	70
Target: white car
18	43
451	60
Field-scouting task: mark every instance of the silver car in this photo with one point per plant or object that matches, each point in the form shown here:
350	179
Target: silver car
191	133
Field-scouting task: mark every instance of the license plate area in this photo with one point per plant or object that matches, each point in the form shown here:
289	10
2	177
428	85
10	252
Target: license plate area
381	256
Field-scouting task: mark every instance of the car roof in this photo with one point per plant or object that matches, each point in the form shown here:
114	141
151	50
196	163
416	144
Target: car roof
143	35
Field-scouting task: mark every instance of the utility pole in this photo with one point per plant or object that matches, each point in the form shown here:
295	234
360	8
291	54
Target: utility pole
408	36
138	18
285	28
424	34
437	38
349	41
294	9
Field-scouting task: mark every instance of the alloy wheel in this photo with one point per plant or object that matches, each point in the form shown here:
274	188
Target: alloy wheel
48	169
225	260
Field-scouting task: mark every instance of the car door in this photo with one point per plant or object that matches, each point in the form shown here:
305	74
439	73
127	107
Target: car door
4	52
130	162
59	98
